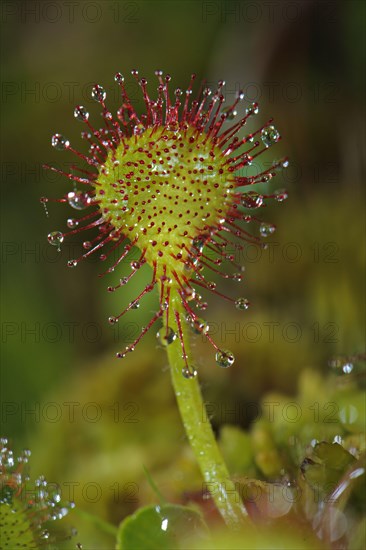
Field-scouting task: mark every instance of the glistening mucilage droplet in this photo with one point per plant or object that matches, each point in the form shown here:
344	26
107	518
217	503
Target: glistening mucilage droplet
166	336
189	372
224	358
242	303
60	142
78	200
55	238
270	135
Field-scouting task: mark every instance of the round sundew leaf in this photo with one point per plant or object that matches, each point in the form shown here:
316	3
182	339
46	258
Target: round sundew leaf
165	527
16	530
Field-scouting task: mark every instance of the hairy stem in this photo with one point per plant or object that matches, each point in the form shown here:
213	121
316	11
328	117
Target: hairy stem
198	427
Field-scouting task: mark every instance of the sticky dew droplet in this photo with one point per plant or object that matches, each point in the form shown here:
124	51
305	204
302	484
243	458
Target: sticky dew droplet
242	304
270	135
252	200
56	238
59	142
166	336
252	109
114	235
189	372
199	326
78	200
72	223
118	77
281	195
229	112
266	229
80	113
139	129
98	93
224	358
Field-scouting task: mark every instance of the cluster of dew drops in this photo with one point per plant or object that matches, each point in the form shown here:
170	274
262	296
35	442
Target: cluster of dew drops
41	501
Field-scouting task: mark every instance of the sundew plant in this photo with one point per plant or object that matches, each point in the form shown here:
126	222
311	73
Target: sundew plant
177	186
169	182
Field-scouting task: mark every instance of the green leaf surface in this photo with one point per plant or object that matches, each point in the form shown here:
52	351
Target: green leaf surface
166	527
326	466
16	530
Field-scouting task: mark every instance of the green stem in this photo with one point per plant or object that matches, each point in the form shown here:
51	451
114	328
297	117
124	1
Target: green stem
198	428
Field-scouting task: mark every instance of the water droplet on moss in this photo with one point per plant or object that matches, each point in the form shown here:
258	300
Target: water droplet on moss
347	368
341	364
224	358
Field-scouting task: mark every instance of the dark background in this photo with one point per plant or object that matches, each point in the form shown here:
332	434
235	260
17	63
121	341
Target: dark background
304	63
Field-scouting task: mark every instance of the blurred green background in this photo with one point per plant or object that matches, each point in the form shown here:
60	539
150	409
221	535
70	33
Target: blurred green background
303	62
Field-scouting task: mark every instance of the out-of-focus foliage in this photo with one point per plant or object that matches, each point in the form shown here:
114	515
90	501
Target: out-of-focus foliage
300	465
312	450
